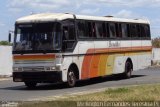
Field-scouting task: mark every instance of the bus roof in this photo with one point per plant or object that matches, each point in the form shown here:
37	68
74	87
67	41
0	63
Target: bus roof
49	17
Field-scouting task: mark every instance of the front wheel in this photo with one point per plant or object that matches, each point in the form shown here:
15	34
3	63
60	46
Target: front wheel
71	78
30	84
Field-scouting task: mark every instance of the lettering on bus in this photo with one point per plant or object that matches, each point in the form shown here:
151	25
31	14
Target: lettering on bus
114	44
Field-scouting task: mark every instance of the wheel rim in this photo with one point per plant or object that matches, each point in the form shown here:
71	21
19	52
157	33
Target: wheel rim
71	78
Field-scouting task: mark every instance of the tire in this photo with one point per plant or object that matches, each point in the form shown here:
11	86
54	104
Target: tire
128	70
30	85
71	78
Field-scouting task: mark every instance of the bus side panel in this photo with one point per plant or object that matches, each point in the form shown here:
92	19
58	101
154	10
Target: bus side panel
100	47
67	61
86	52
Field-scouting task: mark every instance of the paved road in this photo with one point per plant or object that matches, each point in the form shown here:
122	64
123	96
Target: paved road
10	91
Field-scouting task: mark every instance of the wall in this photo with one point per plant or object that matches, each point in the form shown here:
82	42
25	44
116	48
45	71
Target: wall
6	60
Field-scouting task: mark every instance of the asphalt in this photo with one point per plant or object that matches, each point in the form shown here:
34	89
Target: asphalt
10	91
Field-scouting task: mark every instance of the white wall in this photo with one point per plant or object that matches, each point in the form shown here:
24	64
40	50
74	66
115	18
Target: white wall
156	53
6	60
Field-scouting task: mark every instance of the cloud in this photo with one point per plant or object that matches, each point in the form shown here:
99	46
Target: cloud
128	3
15	10
2	24
77	5
90	11
39	4
126	14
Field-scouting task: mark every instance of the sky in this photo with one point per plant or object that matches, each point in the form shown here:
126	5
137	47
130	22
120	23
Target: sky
135	9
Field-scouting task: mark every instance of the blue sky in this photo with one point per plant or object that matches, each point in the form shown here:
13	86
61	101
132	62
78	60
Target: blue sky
145	9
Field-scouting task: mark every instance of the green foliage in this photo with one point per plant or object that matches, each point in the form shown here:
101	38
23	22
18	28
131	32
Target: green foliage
118	90
156	42
5	43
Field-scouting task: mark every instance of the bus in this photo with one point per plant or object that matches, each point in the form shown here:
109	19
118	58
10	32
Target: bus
64	47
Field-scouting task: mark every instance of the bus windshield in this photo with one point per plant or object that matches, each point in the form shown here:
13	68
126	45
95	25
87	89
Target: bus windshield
37	37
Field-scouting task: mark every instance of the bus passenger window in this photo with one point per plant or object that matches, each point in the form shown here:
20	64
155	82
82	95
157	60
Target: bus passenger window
81	29
138	31
124	31
118	30
93	30
89	29
133	30
100	30
112	30
128	31
143	31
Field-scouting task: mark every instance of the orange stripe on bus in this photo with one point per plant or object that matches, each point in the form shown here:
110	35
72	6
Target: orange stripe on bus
86	64
94	66
102	65
124	49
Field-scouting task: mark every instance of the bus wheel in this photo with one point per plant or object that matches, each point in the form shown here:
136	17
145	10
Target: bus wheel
71	78
128	70
30	84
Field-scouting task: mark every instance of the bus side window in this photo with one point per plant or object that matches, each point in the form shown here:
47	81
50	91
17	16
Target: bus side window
143	31
100	30
138	31
128	31
107	30
146	31
124	30
118	30
133	29
65	33
89	29
112	30
81	29
69	35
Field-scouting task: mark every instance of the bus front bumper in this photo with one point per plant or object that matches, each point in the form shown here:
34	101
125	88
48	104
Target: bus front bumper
39	77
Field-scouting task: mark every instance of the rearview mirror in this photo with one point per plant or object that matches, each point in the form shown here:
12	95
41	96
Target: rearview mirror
9	37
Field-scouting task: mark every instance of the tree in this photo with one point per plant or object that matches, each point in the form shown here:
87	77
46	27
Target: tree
156	42
5	43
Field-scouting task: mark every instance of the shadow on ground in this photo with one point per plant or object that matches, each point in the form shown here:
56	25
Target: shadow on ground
58	86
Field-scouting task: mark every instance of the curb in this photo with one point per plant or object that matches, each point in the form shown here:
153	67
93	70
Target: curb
5	77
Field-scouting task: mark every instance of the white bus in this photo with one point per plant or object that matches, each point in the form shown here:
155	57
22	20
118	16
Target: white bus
56	47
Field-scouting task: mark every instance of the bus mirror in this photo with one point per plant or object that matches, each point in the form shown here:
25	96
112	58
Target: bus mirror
9	37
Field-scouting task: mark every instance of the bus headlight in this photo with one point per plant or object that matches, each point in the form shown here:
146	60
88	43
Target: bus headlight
50	68
16	69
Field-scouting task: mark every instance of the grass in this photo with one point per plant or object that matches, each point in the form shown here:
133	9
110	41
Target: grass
133	93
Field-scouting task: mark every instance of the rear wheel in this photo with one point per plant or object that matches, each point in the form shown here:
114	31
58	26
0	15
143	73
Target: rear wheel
71	78
128	70
30	84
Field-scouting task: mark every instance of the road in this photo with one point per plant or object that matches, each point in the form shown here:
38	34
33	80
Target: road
10	91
